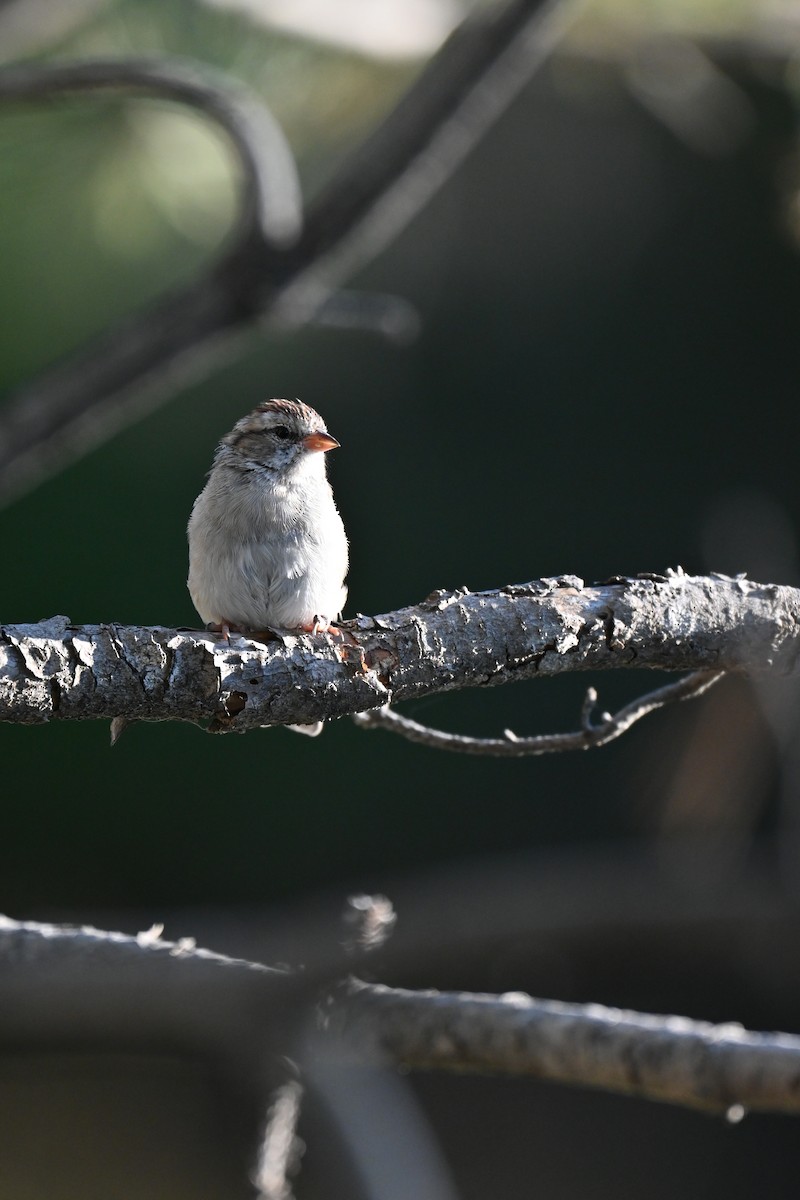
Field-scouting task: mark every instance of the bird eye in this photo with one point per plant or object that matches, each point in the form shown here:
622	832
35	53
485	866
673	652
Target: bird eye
281	432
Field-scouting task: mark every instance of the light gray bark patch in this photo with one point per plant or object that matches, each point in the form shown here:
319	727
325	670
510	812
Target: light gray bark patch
452	640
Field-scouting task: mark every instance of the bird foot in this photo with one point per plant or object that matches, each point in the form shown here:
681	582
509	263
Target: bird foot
223	628
322	625
348	646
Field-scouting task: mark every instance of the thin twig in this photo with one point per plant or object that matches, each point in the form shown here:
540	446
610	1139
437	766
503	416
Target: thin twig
511	746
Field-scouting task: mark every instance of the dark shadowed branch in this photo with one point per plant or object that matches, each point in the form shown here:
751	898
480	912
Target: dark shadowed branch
86	983
452	640
98	984
81	402
272	269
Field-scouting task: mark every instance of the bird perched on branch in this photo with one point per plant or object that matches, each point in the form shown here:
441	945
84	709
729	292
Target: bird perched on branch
267	547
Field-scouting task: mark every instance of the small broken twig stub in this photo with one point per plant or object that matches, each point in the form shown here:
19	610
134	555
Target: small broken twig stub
55	670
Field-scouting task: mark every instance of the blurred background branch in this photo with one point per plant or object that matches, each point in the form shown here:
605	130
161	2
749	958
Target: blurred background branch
270	205
271	270
668	1058
182	990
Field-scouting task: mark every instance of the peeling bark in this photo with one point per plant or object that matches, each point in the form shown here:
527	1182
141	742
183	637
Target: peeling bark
54	670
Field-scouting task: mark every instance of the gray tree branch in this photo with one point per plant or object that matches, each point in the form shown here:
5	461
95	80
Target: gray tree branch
718	1068
58	671
84	984
90	985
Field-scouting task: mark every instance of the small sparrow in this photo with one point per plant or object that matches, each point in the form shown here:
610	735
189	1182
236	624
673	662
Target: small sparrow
267	548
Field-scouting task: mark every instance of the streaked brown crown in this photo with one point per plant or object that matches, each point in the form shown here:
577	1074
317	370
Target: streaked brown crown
293	410
277	435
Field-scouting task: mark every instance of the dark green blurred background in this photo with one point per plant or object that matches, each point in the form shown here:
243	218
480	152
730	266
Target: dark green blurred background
607	368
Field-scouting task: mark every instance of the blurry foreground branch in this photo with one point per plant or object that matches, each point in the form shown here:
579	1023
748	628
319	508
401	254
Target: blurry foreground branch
91	983
719	1068
58	671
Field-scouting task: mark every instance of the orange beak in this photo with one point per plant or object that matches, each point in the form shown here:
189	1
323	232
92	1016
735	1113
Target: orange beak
320	441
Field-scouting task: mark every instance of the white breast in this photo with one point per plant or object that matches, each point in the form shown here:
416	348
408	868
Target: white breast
267	555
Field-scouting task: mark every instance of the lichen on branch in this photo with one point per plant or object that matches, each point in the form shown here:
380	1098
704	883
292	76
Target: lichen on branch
55	670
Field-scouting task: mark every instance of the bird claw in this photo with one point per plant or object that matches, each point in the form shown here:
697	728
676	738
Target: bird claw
322	625
347	644
224	629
